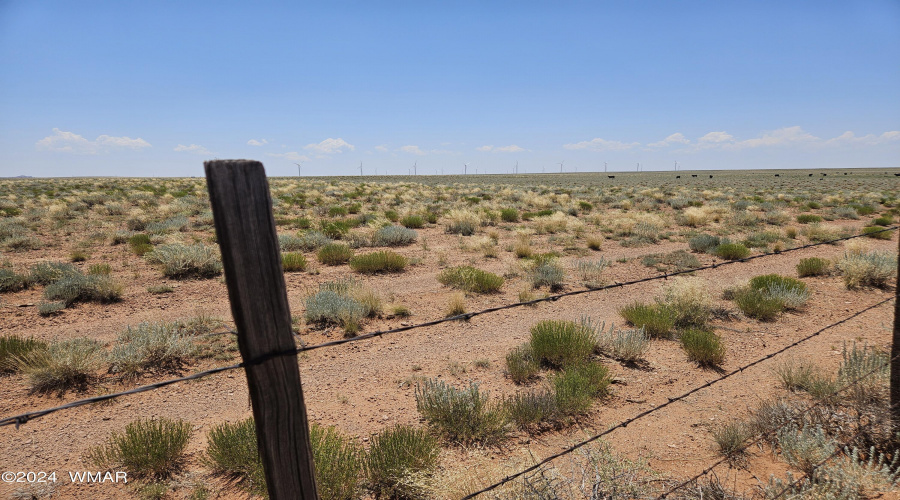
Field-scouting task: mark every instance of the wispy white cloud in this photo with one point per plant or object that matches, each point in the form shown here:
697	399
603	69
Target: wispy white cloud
254	142
599	144
290	156
330	146
849	138
382	148
70	142
193	148
676	138
413	150
512	148
792	136
779	137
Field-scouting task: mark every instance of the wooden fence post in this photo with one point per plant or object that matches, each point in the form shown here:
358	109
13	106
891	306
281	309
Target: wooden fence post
245	228
895	355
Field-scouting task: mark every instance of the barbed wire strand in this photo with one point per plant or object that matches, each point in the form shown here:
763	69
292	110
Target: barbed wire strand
654	409
770	432
18	420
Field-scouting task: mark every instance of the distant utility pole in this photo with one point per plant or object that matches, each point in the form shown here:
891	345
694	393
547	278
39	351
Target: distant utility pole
604	166
561	166
360	169
465	168
298	168
517	167
676	165
415	172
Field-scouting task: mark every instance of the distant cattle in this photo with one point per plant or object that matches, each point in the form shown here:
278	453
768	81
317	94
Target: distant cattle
810	175
678	177
710	176
896	175
693	175
611	176
777	175
824	174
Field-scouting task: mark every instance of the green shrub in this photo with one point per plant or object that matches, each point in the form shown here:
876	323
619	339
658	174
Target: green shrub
561	343
80	288
877	233
792	293
540	213
521	366
13	347
345	303
310	240
413	221
334	254
10	281
100	269
730	437
703	347
577	385
45	273
884	221
78	256
398	457
337	211
180	261
391	215
140	244
335	229
232	451
293	262
864	209
158	289
546	271
758	304
873	269
509	215
655	319
151	346
152	449
807	218
464	416
529	409
394	236
761	239
62	365
290	243
704	243
471	279
813	266
732	251
818	233
378	262
338	462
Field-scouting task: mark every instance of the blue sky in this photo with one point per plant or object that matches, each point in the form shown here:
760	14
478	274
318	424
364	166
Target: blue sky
154	88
